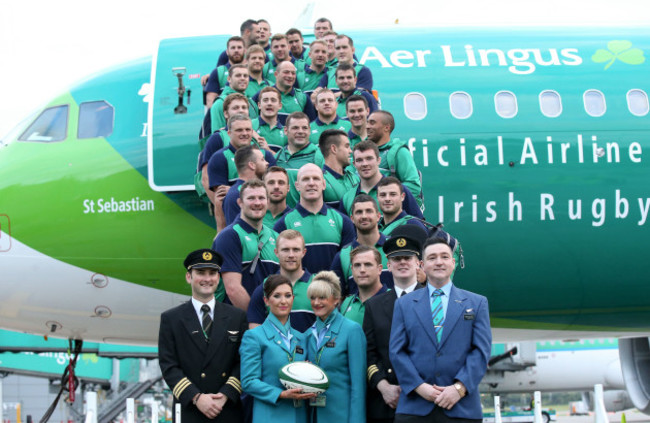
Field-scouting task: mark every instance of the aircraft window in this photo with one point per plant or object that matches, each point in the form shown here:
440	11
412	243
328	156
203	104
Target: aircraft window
460	104
505	103
594	103
95	119
637	102
550	103
51	125
415	106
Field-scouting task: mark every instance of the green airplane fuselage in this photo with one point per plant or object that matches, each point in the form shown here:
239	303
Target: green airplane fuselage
552	212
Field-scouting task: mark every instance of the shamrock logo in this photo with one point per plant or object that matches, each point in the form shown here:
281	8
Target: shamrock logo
619	50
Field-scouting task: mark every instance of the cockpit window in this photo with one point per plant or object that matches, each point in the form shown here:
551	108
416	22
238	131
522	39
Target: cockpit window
51	125
95	119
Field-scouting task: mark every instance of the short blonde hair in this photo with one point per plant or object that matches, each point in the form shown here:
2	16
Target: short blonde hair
325	284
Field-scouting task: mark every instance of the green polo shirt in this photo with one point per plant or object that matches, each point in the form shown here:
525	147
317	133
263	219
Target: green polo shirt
338	184
318	126
308	79
397	161
270	221
310	154
274	136
254	86
217	119
352	307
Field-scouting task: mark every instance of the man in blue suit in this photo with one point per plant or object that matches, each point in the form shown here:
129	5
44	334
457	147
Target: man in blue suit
440	345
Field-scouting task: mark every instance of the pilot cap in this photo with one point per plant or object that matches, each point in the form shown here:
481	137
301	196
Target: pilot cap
203	258
405	240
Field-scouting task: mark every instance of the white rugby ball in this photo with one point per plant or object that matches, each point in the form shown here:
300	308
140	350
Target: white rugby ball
304	375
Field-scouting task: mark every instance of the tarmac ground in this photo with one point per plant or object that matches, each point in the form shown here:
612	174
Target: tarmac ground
630	416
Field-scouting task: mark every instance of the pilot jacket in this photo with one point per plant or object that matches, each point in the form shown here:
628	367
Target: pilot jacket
377	321
263	354
461	355
342	356
190	364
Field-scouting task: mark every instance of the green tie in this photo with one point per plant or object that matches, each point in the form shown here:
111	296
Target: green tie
437	313
206	322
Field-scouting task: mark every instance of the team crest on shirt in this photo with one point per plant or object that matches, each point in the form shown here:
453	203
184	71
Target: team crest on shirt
296	224
247	238
332	223
272	241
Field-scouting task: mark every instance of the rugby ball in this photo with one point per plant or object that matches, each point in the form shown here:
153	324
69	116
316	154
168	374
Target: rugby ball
304	375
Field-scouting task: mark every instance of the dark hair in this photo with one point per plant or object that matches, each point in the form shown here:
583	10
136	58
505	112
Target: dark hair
364	198
345	67
235	38
293	31
273	282
342	36
364	249
247	25
243	156
233	68
280	169
367	145
433	241
321	20
296	115
355	97
328	138
234	97
390	180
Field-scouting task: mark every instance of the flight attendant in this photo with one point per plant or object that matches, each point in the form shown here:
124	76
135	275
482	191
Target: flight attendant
338	346
265	350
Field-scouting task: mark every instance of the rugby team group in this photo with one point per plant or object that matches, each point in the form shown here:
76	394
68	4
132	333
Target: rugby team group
322	252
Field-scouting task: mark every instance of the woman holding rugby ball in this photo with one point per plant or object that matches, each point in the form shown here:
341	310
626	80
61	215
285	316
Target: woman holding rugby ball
338	346
265	350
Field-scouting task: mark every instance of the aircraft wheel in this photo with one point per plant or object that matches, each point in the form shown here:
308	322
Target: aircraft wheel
546	418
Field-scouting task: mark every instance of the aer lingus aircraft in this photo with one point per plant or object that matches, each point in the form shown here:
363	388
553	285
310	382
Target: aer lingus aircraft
533	145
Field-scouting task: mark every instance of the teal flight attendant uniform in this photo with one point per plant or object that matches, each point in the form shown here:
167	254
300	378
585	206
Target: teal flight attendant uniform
264	351
341	353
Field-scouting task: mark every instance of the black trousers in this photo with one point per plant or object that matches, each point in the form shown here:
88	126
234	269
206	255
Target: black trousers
435	416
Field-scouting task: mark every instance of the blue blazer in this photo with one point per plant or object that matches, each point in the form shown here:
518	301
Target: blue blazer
263	353
462	353
343	358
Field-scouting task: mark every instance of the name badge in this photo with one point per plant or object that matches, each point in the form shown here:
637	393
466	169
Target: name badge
299	350
330	344
469	316
318	401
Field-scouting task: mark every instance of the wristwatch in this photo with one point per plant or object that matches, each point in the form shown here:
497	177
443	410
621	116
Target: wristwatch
460	388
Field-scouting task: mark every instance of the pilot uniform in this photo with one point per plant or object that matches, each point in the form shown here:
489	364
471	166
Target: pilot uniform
377	322
192	364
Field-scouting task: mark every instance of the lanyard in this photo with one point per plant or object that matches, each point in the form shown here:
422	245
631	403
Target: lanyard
319	341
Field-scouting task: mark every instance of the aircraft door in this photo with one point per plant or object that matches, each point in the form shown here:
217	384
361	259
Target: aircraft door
176	110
